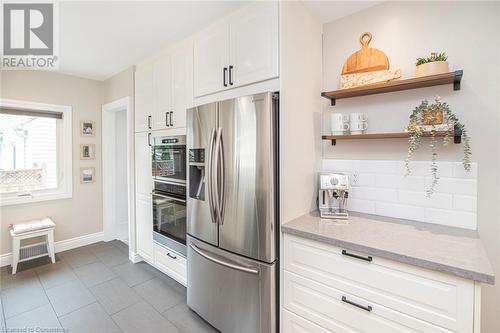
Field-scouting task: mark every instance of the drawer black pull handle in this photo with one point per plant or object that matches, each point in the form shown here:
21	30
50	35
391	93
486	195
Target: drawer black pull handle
368	258
366	308
171	256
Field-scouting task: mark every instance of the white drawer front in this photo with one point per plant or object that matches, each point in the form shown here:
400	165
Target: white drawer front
441	299
296	324
324	306
171	263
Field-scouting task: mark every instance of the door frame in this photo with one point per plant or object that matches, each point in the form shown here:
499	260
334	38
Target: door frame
109	111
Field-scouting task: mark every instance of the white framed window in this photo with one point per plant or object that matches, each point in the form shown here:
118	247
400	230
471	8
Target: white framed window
35	152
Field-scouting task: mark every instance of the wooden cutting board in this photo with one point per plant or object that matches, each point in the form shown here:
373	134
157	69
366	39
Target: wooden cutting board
367	59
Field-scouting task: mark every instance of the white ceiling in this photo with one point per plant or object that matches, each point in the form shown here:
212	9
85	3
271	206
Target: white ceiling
328	11
100	39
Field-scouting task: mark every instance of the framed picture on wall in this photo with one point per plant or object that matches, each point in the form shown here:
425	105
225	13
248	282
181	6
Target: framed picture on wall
87	151
87	175
87	128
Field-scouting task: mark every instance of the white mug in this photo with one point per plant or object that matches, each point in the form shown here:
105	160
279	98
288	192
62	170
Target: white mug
358	127
339	123
358	117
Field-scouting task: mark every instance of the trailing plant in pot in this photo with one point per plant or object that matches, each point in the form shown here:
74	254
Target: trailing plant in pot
435	64
425	119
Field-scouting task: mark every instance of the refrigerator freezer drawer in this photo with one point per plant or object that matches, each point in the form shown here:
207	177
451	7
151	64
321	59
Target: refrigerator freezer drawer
232	293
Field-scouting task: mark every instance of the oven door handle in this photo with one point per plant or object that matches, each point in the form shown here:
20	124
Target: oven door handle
167	197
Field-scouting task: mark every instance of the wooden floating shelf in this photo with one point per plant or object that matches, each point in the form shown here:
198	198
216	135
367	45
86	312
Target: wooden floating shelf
457	136
397	85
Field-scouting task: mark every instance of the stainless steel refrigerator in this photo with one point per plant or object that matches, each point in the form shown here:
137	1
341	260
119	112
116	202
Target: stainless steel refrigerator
232	211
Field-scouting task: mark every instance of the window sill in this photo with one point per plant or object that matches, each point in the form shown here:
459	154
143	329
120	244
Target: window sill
13	201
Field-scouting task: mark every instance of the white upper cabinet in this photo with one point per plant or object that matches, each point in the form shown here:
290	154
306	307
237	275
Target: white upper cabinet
145	104
182	84
211	55
253	54
163	92
240	50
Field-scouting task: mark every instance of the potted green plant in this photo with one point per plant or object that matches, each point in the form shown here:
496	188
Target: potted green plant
419	125
435	64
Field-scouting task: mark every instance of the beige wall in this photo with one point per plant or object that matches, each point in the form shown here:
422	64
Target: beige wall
82	214
469	33
300	109
120	85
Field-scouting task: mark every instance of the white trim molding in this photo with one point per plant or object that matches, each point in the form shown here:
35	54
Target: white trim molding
64	245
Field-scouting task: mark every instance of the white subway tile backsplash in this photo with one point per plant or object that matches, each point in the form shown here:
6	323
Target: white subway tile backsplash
454	185
372	193
453	218
362	206
438	200
465	203
460	172
381	187
400	211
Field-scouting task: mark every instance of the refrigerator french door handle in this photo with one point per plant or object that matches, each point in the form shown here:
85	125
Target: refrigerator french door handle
209	177
215	176
224	263
222	177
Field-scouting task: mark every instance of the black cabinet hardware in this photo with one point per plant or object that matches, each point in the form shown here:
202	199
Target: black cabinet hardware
224	72
368	258
149	122
366	308
166	118
149	139
171	256
231	74
171	116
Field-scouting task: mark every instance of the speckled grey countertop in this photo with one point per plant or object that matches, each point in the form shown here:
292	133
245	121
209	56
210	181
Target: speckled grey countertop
446	249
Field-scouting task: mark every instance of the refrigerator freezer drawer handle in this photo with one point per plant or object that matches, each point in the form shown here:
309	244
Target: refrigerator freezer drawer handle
223	263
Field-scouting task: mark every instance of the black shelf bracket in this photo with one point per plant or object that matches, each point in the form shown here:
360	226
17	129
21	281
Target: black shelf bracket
457	135
332	100
458	79
334	142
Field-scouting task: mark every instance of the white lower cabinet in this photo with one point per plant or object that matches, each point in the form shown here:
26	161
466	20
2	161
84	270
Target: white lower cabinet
341	293
171	263
296	324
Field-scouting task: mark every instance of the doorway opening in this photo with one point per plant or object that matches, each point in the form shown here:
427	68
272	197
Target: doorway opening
118	171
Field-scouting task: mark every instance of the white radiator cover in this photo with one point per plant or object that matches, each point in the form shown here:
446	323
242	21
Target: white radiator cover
380	187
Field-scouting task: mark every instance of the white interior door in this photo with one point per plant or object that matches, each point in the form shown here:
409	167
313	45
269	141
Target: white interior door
210	58
144	98
182	84
254	43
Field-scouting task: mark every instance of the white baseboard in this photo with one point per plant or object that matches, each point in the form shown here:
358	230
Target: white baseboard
134	257
64	245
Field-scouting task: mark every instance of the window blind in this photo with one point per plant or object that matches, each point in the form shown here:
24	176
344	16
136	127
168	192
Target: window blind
31	113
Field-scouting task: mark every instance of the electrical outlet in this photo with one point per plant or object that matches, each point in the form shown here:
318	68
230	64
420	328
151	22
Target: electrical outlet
355	179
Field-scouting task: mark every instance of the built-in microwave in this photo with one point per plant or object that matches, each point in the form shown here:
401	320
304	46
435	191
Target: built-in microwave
169	159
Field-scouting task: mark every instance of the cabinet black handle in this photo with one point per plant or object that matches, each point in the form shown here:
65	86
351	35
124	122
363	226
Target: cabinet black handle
149	122
366	308
224	72
171	256
368	258
171	116
166	119
231	74
149	139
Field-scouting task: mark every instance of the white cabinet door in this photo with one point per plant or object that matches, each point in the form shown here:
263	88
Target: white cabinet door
144	226
145	104
143	173
211	51
163	93
182	84
254	44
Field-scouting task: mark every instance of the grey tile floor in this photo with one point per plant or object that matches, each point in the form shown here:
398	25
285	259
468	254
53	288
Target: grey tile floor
94	288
